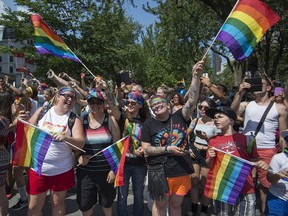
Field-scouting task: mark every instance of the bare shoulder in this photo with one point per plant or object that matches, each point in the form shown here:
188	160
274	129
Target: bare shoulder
281	108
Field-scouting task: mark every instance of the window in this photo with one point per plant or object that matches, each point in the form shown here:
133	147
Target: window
11	69
11	58
0	69
0	58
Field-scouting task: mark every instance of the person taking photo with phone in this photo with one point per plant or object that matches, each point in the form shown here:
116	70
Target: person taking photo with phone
265	138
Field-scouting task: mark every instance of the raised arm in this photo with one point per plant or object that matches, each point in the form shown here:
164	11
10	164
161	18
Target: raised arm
190	105
238	96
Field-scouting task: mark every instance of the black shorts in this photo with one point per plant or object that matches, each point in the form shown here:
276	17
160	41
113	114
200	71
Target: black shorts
92	189
200	156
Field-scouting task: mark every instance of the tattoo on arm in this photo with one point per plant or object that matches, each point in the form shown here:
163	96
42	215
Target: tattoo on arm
152	150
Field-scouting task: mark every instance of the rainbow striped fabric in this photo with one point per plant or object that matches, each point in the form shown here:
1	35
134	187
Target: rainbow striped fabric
115	155
246	26
226	177
48	42
31	146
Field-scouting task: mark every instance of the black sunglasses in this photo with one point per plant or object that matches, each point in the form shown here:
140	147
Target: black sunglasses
95	102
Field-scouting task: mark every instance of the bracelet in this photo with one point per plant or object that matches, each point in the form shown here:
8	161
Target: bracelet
166	149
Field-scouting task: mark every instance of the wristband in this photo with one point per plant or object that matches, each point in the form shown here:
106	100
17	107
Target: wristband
166	149
8	85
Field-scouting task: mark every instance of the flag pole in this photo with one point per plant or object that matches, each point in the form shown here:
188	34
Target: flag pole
204	56
109	146
105	148
83	64
239	158
49	134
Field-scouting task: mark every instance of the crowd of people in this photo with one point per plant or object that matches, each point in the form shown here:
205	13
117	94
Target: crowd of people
174	134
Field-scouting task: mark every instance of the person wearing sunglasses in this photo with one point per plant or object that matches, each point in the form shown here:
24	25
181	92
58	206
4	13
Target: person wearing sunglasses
94	175
130	123
164	141
57	171
200	131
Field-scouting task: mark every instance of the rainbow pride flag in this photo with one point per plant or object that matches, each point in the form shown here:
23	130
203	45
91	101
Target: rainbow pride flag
226	177
48	42
246	26
30	147
115	155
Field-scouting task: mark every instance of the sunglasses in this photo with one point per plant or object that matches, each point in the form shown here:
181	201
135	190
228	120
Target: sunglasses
96	102
133	103
68	96
200	107
286	139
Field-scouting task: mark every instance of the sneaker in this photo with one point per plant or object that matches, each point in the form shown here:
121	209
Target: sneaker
203	214
20	204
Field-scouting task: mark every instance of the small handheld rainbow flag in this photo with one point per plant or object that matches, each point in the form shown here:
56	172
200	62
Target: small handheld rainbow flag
30	147
115	155
48	42
226	177
245	27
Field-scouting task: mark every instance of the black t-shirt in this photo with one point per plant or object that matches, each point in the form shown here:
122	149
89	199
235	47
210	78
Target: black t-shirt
157	133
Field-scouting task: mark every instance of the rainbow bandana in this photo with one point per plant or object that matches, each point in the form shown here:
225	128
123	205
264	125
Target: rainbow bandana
157	98
136	96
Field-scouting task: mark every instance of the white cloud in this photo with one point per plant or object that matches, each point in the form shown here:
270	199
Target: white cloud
21	8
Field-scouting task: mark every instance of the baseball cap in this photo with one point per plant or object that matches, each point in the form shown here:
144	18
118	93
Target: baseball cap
95	93
224	110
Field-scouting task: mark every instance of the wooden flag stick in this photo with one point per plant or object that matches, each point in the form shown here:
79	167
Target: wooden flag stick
51	134
204	56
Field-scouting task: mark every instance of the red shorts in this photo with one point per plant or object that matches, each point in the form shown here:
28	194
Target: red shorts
266	156
40	184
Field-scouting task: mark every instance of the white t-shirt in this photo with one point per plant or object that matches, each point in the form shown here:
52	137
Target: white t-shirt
278	163
59	155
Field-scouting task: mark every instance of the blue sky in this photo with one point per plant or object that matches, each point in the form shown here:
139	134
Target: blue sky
138	14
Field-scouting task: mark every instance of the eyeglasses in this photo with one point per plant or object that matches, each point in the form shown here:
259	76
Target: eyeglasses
95	102
68	96
133	103
203	107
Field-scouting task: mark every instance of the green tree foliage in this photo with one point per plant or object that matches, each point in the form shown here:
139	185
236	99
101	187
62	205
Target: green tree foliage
107	40
98	32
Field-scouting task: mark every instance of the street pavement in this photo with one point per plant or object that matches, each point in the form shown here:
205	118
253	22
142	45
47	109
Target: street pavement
73	210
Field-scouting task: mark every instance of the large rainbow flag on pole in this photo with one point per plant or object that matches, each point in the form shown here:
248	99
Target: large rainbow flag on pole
245	26
31	146
48	42
226	177
115	155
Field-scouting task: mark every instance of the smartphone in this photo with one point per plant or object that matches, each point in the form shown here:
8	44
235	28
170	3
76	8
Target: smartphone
256	84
